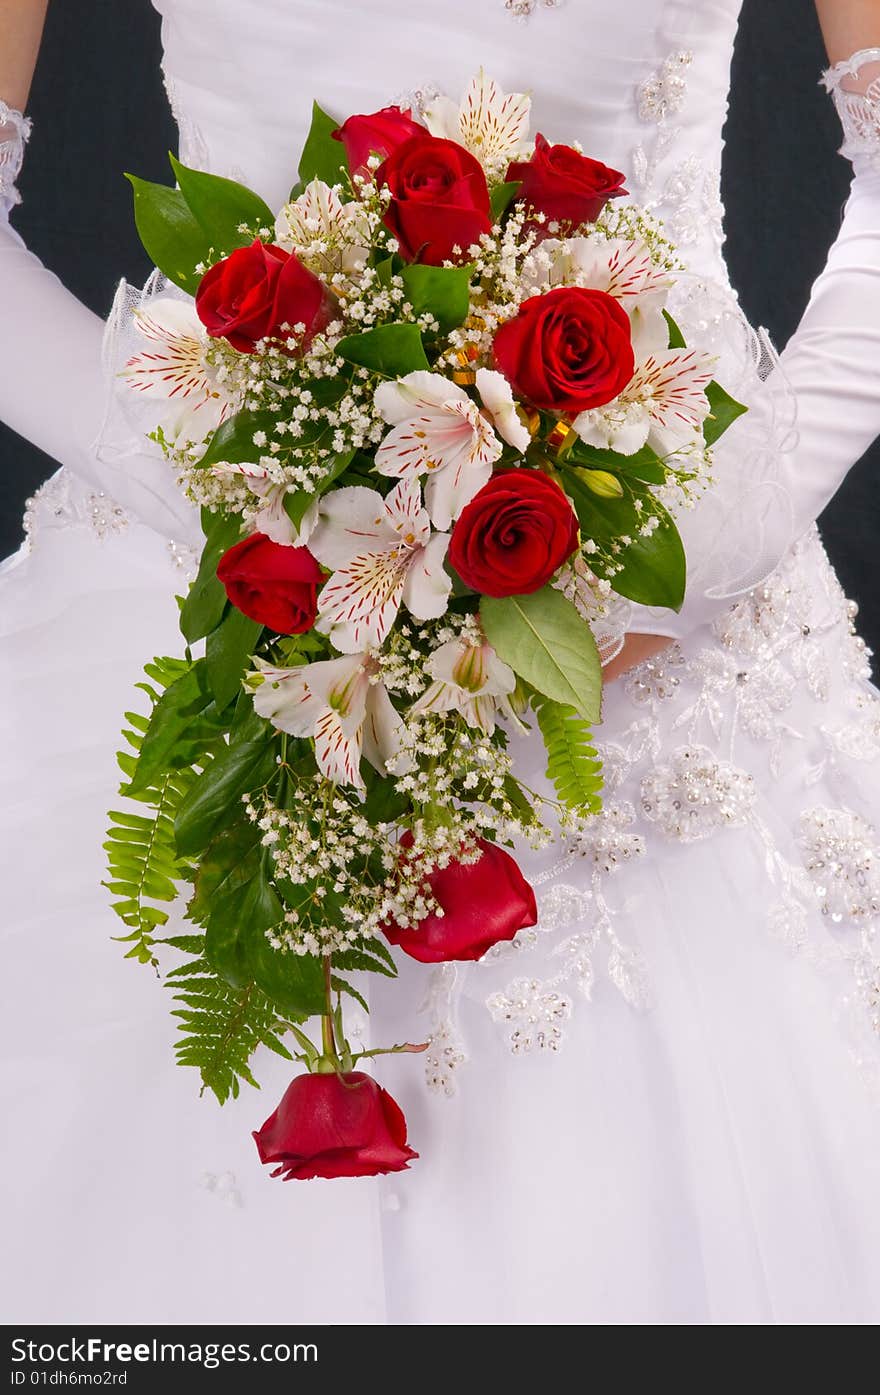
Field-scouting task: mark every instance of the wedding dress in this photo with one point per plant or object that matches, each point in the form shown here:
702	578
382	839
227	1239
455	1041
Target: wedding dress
660	1104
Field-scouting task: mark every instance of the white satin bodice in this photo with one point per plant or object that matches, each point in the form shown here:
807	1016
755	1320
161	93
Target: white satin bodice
643	84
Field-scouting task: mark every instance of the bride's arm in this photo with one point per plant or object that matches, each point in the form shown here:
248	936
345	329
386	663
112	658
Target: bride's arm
52	384
832	363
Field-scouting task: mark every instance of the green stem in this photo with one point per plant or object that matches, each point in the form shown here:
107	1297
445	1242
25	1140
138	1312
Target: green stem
328	1040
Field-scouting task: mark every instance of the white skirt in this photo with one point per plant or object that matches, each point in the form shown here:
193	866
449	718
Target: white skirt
658	1106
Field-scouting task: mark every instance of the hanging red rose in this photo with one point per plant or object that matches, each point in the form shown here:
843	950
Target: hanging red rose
566	186
376	134
482	902
568	350
439	199
257	290
514	534
335	1126
275	585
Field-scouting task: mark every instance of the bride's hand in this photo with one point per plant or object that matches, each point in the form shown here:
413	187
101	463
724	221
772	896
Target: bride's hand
636	649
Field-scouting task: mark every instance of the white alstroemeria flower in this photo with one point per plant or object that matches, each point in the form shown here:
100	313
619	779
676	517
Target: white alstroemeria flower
382	555
491	124
663	405
439	432
339	702
326	234
497	397
175	368
468	678
271	518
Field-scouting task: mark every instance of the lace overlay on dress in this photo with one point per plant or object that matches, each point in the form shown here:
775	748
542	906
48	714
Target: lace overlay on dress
711	723
855	87
15	130
685	192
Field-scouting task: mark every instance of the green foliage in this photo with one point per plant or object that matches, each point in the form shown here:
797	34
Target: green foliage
143	860
233	441
444	291
322	157
502	197
203	607
572	762
653	568
724	411
676	338
296	503
173	239
549	645
184	724
228	652
220	1026
240	768
644	464
220	206
236	904
391	351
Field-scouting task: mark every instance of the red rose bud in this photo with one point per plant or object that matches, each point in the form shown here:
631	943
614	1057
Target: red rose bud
376	134
335	1126
482	902
514	534
568	350
439	199
274	585
566	186
257	290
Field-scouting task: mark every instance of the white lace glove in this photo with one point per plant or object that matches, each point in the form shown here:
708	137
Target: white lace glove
831	366
53	389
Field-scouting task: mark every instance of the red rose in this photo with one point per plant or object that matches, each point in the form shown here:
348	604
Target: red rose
439	199
514	534
376	134
278	586
335	1126
568	350
256	290
482	902
563	184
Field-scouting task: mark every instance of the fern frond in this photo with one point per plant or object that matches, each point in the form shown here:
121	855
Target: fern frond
573	764
221	1027
142	862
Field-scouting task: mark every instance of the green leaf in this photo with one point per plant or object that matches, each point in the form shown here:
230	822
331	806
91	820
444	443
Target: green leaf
676	338
237	770
233	441
724	411
221	1026
294	983
645	464
546	642
443	291
205	603
296	503
173	239
220	205
173	719
322	157
228	652
226	868
600	517
572	762
502	197
391	350
602	483
654	567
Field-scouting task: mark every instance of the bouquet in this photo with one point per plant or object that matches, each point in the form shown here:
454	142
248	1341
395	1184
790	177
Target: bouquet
437	417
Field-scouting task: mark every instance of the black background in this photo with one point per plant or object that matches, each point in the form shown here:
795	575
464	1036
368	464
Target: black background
99	108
